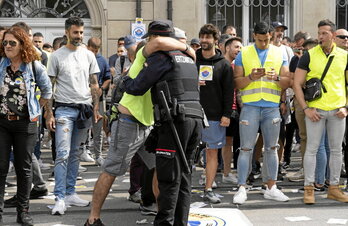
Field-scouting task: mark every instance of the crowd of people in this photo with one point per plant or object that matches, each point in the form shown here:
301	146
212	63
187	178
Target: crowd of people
159	103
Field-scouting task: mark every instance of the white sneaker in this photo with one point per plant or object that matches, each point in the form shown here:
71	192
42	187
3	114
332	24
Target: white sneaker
75	200
275	194
214	185
59	207
296	147
231	178
85	157
100	161
202	181
82	169
241	196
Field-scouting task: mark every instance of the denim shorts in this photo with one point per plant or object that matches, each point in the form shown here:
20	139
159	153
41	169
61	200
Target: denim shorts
214	135
127	137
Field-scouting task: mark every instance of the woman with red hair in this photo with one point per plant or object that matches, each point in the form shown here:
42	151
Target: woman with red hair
20	73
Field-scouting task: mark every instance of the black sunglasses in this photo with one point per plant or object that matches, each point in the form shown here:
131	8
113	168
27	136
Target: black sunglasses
12	43
342	36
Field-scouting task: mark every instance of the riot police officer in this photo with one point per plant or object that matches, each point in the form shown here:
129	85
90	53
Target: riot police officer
173	79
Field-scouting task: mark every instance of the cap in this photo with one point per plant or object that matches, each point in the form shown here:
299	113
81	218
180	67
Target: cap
276	24
178	33
195	41
129	41
160	27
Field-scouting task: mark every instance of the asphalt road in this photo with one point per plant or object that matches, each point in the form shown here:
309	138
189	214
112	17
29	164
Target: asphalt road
118	211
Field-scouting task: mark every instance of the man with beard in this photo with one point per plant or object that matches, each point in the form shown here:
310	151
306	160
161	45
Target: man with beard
327	112
73	70
215	74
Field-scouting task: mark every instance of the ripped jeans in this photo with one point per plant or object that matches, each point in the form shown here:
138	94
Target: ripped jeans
251	119
68	140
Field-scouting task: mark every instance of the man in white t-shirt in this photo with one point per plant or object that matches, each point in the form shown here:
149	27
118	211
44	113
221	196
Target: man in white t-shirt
73	70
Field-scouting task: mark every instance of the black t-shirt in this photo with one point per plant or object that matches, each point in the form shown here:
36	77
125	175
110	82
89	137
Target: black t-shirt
293	63
304	62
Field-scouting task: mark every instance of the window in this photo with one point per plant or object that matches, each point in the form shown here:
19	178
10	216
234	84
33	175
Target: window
342	13
43	9
244	14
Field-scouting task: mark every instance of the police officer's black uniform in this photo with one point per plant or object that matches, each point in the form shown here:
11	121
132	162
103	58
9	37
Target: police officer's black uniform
178	72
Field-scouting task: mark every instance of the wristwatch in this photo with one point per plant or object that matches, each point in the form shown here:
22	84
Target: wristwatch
277	79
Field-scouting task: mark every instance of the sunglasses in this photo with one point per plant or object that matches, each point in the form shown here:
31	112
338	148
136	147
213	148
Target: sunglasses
342	36
12	43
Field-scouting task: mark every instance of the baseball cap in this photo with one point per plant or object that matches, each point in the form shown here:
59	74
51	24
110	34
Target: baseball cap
276	24
160	27
179	33
129	41
195	41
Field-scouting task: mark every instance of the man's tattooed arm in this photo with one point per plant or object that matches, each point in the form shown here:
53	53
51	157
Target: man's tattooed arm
50	120
49	104
93	81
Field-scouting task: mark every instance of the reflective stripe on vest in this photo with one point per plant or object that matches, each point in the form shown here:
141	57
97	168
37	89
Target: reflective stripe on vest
334	81
262	88
259	90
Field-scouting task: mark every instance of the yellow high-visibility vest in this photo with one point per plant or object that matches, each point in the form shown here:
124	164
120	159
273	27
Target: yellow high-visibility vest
140	107
334	81
262	88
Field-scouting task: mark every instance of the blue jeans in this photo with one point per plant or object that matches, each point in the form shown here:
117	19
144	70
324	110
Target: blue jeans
251	119
335	128
322	157
68	140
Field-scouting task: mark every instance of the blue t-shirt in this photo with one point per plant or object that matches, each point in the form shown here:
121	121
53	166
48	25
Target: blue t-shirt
104	68
262	54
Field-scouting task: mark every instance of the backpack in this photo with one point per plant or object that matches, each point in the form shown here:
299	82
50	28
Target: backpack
116	96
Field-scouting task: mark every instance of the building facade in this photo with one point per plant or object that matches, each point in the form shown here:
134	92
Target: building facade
111	19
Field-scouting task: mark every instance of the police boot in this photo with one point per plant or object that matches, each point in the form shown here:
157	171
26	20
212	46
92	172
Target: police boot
308	196
337	194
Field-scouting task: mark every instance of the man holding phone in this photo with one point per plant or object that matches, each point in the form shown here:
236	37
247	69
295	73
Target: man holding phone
261	72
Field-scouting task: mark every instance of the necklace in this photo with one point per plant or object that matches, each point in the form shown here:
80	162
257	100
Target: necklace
14	68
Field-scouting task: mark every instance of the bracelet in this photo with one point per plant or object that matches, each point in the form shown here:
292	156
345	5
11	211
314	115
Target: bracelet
249	76
282	102
305	108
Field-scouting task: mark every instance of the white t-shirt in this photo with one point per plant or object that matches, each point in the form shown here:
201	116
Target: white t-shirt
72	69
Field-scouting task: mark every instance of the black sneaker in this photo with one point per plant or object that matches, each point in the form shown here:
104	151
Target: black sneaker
317	190
11	202
24	218
97	222
36	194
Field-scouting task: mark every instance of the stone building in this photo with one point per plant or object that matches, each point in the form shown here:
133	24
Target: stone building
111	19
